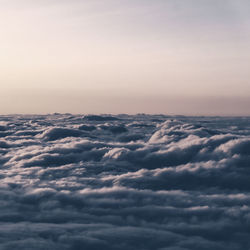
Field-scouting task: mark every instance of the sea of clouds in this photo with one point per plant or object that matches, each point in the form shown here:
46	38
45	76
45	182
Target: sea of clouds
144	182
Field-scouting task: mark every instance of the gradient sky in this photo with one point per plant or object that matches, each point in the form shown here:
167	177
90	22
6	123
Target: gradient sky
125	56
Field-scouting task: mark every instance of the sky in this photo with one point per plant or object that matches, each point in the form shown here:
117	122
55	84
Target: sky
119	56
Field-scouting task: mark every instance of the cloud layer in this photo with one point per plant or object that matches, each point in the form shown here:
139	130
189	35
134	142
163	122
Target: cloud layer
124	182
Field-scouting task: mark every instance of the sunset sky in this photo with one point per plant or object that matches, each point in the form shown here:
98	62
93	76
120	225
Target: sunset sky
125	56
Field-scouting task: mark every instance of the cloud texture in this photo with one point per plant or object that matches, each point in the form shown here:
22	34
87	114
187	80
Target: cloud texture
124	182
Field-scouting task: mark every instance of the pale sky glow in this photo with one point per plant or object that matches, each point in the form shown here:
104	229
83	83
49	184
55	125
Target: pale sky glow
162	56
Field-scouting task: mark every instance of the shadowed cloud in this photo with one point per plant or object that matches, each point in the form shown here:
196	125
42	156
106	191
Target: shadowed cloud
124	182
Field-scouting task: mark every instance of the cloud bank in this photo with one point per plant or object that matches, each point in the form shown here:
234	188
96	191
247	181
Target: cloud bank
124	182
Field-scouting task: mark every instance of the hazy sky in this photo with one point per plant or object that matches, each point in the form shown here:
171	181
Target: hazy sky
116	56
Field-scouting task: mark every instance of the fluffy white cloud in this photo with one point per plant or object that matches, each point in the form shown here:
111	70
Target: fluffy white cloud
125	182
